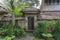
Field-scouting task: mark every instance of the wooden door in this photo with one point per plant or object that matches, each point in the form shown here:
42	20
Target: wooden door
30	23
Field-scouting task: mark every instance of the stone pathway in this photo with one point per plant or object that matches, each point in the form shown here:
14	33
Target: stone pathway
28	37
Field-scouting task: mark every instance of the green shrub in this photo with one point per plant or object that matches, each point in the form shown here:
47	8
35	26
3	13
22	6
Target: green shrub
52	24
57	27
41	28
10	30
3	32
6	30
9	38
45	27
18	31
56	31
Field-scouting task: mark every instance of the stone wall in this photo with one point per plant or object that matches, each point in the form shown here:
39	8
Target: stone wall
21	21
50	15
51	8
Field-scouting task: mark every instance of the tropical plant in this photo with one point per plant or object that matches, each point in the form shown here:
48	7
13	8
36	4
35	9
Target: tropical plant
18	31
17	5
52	24
45	28
56	31
10	30
7	30
41	28
9	38
13	6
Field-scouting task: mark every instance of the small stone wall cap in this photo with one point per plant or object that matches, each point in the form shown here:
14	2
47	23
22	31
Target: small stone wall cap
30	9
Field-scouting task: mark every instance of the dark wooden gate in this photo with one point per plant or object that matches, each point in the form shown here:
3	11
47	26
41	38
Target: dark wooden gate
30	23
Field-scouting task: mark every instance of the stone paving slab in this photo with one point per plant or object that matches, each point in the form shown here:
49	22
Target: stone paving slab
26	38
29	38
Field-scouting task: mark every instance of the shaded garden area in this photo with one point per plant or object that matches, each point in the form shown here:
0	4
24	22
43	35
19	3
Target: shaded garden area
48	30
18	22
9	32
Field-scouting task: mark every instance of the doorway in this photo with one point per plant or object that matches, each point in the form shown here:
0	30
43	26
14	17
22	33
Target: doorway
30	23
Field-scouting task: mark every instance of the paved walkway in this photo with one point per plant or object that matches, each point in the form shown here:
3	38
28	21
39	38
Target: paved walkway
28	37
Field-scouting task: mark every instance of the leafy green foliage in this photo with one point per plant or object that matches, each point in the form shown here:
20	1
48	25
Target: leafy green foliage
48	35
3	32
9	38
52	24
45	27
56	31
17	5
41	28
17	10
7	30
18	31
10	30
57	27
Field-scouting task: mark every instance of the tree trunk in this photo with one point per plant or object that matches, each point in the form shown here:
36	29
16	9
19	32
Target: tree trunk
13	19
